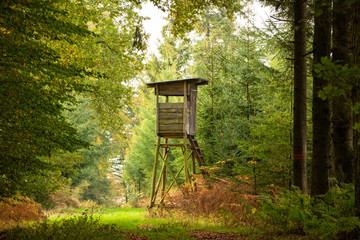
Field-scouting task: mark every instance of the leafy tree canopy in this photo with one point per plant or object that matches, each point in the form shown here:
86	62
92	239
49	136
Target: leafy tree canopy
184	14
48	56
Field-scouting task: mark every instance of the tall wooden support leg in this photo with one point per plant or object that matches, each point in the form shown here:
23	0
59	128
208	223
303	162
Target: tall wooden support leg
193	183
164	172
193	162
185	160
153	197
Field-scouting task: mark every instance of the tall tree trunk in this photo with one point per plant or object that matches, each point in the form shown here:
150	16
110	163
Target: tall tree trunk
321	108
342	142
299	156
355	60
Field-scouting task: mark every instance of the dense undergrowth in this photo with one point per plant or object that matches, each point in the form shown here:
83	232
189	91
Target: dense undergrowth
225	201
331	216
18	209
78	227
279	212
216	206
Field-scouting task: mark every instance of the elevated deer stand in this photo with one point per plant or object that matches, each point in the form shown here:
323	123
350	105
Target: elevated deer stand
175	120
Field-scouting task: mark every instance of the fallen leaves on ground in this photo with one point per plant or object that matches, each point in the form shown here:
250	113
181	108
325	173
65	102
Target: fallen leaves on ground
203	235
133	236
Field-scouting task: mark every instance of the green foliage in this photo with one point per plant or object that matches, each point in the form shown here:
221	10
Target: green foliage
92	175
341	78
184	14
114	54
141	152
244	116
322	217
80	227
51	52
227	102
35	84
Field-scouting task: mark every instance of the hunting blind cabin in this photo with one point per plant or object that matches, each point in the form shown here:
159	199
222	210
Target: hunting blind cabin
175	120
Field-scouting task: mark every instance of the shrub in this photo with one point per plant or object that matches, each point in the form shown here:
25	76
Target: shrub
89	204
220	198
62	198
15	210
79	227
323	217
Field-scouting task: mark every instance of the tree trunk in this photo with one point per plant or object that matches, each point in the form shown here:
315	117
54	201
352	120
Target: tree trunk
355	60
321	109
342	142
299	156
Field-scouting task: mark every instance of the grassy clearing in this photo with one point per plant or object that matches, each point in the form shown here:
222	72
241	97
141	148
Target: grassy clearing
138	222
132	220
131	223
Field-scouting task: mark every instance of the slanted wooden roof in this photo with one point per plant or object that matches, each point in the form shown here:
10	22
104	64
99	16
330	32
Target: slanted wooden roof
198	81
175	87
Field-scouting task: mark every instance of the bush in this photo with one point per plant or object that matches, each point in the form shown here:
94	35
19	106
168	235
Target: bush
230	203
88	204
323	217
15	210
63	198
79	227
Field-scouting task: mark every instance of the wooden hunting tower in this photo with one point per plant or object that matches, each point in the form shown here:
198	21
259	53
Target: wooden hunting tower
175	119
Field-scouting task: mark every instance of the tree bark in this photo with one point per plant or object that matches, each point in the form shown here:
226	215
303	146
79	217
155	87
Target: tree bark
342	140
321	108
355	60
299	128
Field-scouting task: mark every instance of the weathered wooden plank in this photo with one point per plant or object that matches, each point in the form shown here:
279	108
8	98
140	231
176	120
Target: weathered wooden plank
171	89
172	92
192	110
170	115
171	121
170	105
171	134
185	116
171	127
171	110
157	110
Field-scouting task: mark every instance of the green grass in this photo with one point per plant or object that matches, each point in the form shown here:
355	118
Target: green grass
118	223
134	220
138	221
122	223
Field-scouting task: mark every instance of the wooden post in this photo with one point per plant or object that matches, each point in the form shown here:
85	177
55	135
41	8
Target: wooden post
185	160
184	130
153	197
193	162
157	127
164	170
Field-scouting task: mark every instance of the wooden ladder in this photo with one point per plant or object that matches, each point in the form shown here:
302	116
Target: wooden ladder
198	155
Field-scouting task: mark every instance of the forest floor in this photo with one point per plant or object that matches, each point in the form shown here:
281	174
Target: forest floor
134	224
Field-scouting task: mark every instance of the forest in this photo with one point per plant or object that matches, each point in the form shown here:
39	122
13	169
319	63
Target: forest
277	122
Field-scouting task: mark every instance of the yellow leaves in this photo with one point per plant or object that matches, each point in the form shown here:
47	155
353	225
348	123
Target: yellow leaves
215	168
242	178
224	161
253	210
4	31
98	140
